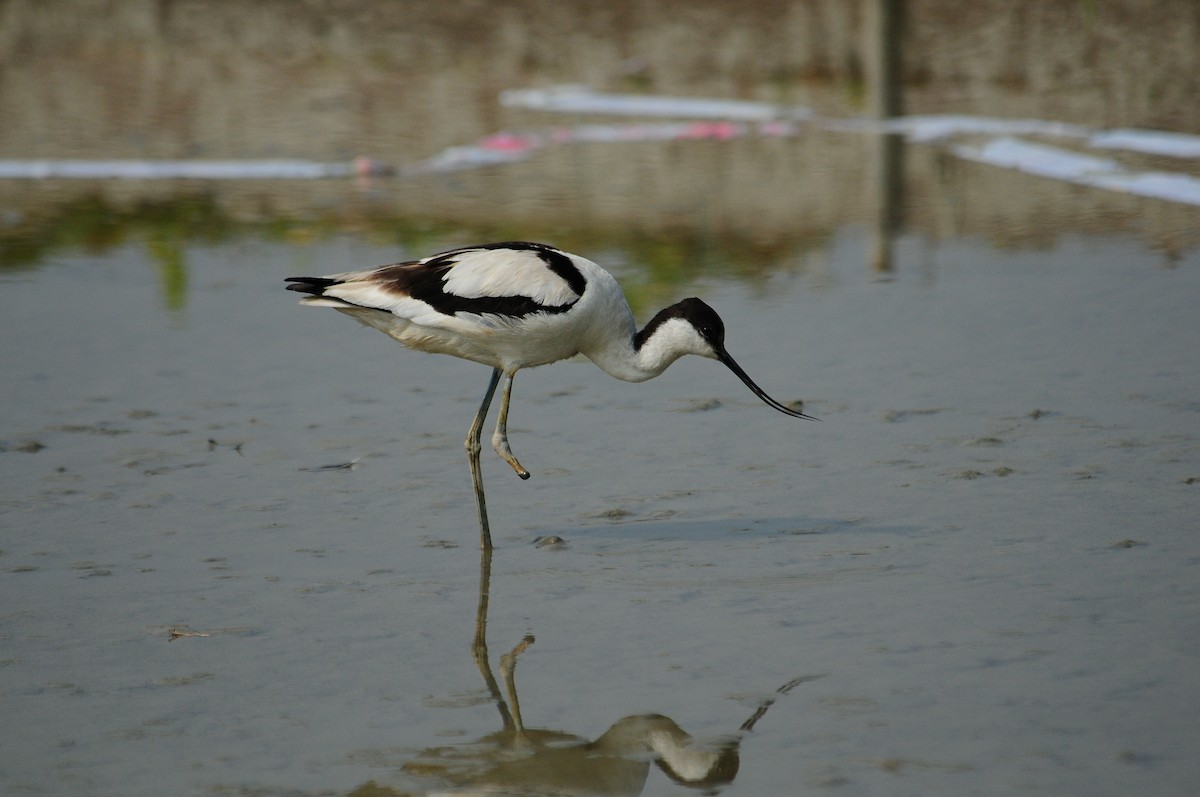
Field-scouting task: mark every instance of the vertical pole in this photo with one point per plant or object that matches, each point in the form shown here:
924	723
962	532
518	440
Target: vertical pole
884	21
882	37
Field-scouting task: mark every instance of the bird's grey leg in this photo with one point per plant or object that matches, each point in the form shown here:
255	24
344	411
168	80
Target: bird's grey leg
500	438
473	449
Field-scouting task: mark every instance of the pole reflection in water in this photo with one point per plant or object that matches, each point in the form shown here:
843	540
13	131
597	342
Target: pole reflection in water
535	761
886	200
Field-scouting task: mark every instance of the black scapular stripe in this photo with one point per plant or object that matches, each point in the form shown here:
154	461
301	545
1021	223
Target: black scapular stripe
427	283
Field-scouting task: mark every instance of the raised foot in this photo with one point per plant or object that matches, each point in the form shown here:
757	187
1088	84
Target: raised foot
512	461
501	445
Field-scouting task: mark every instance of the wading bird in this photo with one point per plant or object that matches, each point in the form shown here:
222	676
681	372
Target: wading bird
516	305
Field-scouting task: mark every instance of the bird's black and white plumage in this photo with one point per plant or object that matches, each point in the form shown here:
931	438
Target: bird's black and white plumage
517	305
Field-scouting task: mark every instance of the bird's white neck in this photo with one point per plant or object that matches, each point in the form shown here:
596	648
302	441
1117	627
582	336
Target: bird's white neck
621	356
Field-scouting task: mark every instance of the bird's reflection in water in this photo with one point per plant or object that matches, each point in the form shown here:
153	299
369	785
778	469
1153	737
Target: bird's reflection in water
536	762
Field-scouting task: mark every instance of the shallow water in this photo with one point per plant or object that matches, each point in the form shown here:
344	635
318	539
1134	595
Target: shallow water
981	565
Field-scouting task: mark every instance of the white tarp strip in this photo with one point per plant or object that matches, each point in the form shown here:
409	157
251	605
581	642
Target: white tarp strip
1074	167
714	119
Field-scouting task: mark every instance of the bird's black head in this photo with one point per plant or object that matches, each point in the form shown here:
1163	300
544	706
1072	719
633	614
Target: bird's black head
711	329
693	312
704	319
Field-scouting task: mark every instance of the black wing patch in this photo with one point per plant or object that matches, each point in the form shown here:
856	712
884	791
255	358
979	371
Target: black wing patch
555	260
426	282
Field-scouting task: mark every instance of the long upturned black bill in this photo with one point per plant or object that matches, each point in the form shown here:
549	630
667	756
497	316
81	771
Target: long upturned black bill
724	357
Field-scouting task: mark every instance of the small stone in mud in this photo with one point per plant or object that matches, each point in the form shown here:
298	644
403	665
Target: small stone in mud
702	405
32	447
180	632
615	513
893	416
